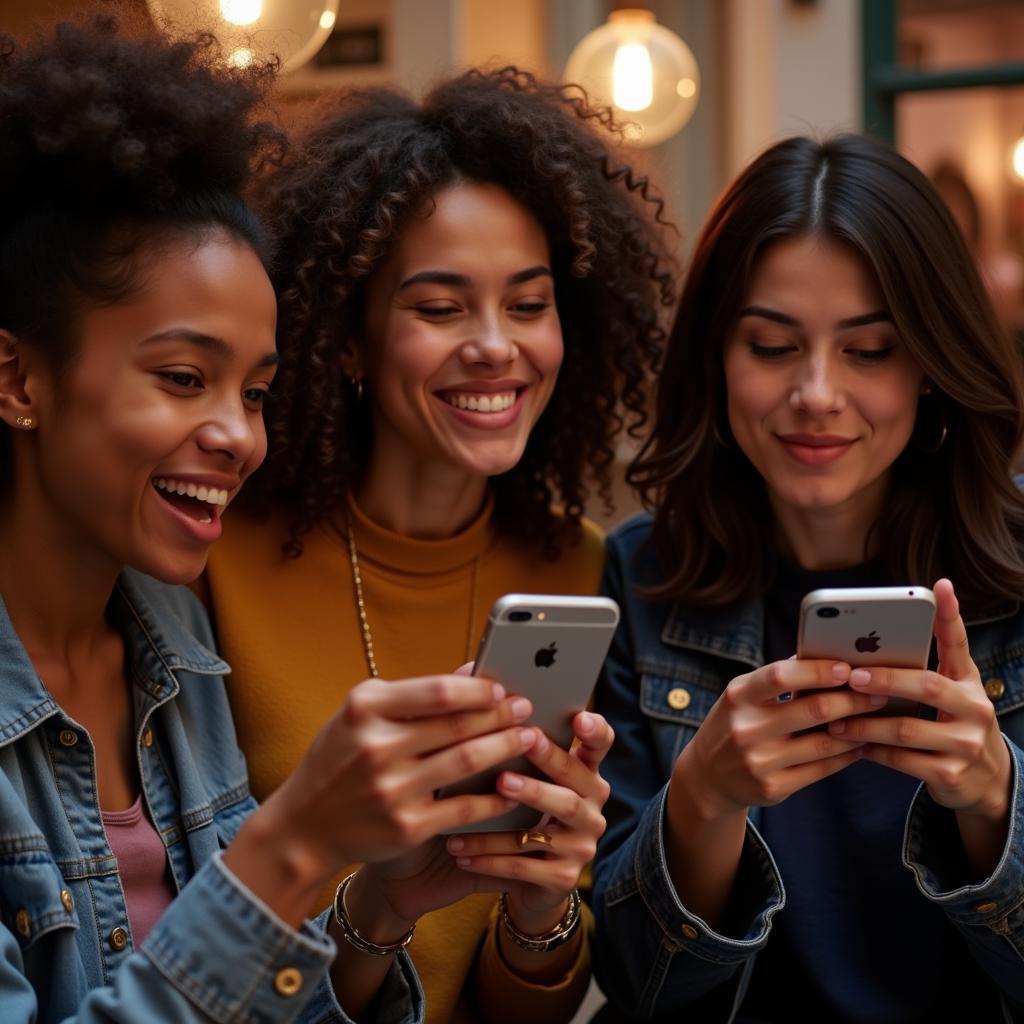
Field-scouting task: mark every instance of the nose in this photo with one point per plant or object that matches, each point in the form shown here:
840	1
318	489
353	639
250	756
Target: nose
491	344
233	431
816	389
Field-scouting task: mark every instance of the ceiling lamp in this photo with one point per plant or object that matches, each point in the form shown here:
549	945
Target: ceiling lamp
645	72
251	29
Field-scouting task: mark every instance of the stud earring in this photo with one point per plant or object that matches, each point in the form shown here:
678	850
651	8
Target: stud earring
25	422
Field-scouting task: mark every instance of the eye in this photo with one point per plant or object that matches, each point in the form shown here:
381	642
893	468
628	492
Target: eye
533	308
871	355
770	352
184	379
257	398
437	312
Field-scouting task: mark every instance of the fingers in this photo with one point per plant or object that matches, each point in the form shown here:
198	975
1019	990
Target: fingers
510	843
423	697
595	737
455	812
560	802
568	769
426	735
547	873
918	733
471	757
791	780
767	683
815	709
803	750
951	635
923	687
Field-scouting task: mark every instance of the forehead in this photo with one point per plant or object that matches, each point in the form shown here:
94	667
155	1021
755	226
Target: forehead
814	275
476	225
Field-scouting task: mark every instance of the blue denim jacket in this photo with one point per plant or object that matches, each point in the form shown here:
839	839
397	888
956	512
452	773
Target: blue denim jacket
218	953
667	667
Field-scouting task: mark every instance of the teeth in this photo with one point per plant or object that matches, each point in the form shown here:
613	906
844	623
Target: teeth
211	495
481	403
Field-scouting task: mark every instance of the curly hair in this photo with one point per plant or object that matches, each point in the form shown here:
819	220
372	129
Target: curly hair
335	209
114	137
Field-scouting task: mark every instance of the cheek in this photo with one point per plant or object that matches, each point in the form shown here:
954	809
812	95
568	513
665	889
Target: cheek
891	406
751	396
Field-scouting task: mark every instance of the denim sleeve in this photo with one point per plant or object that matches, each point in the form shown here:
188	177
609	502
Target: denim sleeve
653	957
217	954
989	914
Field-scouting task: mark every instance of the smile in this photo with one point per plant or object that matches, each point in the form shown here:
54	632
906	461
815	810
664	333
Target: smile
476	402
203	504
815	449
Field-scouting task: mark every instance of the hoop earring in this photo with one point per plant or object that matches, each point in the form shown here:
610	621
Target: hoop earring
357	388
933	449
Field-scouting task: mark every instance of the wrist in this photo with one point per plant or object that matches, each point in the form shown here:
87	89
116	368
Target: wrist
372	913
535	920
691	806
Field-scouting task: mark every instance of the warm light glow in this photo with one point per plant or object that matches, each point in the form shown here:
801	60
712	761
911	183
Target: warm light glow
327	19
632	77
241	12
686	88
240	57
1018	159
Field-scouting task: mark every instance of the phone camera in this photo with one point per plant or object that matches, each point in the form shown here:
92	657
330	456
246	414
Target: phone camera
828	613
519	615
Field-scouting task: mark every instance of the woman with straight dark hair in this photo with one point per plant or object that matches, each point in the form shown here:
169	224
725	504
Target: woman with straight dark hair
839	407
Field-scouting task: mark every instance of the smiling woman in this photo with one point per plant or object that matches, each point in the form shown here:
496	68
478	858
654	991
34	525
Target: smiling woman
470	295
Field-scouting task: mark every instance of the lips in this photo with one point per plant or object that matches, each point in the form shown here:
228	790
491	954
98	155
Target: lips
196	502
815	449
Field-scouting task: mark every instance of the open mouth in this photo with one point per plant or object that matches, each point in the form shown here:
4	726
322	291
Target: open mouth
475	401
202	504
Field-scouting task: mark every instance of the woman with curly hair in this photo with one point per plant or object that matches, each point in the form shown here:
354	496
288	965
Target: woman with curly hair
469	292
138	880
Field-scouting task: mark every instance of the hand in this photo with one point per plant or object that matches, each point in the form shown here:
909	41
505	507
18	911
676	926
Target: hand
539	878
365	789
753	748
961	756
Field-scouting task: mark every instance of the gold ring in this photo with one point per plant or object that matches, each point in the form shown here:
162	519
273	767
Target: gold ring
526	837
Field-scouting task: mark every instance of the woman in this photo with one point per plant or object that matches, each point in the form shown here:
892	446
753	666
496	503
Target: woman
839	407
136	349
469	292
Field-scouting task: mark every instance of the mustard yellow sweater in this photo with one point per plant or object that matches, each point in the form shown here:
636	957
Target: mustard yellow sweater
290	630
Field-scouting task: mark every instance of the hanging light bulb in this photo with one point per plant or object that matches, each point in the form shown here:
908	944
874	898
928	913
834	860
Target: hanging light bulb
253	29
645	72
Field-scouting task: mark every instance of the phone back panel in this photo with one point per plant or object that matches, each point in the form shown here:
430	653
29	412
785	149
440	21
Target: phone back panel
554	659
867	626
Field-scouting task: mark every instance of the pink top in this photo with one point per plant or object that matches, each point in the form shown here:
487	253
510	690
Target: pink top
143	866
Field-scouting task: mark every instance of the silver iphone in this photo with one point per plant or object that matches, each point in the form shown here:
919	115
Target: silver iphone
548	648
865	626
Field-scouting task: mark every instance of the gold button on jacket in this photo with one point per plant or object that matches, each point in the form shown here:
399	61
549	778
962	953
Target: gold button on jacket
287	981
118	939
678	698
995	688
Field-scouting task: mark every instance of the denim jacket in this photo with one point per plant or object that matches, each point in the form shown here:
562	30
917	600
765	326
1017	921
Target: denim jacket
667	667
218	953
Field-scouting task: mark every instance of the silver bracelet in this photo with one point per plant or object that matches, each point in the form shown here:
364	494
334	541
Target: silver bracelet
551	939
352	936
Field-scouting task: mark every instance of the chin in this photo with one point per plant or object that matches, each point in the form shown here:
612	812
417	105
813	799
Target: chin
177	570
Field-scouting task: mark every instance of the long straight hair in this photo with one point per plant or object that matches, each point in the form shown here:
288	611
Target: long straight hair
955	511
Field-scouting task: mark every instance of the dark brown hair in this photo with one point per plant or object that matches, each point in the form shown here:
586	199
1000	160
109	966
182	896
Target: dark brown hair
952	512
336	208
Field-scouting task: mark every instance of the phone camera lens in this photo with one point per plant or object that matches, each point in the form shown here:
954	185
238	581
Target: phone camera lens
828	613
519	616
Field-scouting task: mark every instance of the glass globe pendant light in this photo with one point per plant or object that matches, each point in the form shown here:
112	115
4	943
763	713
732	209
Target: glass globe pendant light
249	29
642	70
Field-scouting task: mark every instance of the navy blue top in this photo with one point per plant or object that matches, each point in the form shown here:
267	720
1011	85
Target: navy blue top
856	936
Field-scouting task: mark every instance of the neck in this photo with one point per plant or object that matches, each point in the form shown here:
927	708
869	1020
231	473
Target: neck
834	537
425	501
55	584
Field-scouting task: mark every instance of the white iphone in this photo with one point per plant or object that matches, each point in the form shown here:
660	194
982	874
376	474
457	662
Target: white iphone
865	626
548	648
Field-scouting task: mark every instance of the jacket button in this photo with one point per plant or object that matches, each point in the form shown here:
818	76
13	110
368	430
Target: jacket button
21	922
147	737
68	737
986	908
995	688
678	698
287	981
65	898
689	931
118	939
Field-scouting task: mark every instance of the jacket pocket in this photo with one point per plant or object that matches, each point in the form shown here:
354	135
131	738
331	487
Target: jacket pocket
675	703
35	900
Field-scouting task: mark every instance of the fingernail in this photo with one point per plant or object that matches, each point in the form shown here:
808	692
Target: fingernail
586	723
498	691
521	708
840	671
860	677
838	728
542	743
463	862
455	844
512	782
878	700
527	737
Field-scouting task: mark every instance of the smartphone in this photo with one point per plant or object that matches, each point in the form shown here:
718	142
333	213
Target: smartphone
548	648
865	626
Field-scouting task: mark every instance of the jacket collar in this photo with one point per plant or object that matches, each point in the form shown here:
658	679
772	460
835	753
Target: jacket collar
158	645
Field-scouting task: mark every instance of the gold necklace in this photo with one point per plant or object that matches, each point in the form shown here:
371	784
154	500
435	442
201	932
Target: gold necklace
364	624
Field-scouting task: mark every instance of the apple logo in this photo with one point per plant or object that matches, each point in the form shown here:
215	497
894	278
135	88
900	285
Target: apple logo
867	644
545	657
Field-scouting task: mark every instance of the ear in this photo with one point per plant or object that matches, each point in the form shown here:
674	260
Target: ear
351	360
16	405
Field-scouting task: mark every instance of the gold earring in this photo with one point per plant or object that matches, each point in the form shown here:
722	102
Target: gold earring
25	422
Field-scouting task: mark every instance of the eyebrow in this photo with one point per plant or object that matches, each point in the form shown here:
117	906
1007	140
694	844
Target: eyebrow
463	281
218	346
878	316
